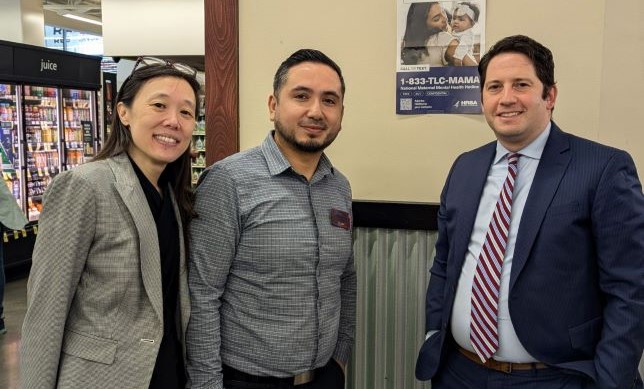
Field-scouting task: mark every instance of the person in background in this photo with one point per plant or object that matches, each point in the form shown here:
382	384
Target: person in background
107	294
413	44
538	279
11	217
465	16
427	40
271	275
440	43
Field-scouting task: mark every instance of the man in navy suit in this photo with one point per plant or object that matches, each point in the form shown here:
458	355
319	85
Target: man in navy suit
568	308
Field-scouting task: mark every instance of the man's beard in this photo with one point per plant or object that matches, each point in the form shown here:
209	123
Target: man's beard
309	146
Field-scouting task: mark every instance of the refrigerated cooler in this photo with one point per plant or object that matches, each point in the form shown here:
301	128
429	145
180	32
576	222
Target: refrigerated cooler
48	118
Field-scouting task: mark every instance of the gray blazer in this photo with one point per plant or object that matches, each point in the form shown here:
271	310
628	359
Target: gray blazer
95	316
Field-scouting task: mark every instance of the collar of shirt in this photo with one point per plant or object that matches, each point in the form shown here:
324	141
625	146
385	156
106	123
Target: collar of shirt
164	179
155	199
278	164
533	150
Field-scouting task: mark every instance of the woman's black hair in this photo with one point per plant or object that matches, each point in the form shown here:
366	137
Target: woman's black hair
120	138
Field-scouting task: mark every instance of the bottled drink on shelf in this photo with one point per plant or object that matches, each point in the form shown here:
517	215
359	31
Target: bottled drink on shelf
6	163
34	213
16	188
8	181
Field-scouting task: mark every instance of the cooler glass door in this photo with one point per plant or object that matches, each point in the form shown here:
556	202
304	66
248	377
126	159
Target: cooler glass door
42	146
79	120
10	141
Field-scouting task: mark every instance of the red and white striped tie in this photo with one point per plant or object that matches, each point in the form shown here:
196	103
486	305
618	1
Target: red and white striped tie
484	333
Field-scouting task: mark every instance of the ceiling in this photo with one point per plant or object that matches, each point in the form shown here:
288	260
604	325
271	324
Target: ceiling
54	9
90	9
87	8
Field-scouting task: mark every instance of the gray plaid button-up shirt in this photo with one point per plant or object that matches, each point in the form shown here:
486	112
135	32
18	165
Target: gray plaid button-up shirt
271	273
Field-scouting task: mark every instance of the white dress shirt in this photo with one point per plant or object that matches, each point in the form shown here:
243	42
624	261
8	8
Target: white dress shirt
510	348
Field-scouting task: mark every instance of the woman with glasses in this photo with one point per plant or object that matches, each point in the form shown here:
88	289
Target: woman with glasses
107	293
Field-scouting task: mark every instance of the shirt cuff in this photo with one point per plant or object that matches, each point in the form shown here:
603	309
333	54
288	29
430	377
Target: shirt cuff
342	352
430	334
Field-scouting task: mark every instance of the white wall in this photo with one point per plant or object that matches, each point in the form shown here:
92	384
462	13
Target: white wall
153	27
622	79
10	21
22	21
33	22
406	158
599	64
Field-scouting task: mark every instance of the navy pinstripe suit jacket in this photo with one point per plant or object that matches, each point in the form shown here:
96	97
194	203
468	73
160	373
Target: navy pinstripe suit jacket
577	282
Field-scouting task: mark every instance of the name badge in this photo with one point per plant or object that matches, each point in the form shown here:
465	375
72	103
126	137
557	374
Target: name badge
340	219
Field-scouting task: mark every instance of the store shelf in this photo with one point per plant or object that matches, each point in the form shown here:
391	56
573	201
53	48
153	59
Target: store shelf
41	147
199	143
9	235
37	123
54	146
74	147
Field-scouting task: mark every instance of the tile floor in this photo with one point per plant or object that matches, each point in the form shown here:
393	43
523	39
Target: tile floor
15	305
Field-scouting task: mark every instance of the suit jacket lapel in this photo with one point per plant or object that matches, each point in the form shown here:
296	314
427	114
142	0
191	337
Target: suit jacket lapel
470	189
552	166
128	186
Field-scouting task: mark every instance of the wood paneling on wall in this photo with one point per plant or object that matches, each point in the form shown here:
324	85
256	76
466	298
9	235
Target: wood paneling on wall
222	78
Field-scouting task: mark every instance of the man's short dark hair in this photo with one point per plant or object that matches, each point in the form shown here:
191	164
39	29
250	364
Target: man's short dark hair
300	56
539	55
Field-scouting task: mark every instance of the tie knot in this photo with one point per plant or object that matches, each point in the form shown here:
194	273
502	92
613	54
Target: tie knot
513	158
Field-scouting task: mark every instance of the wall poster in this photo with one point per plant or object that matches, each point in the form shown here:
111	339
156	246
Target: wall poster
439	46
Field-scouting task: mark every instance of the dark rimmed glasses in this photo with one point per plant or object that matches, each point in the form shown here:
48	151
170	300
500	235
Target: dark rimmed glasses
148	61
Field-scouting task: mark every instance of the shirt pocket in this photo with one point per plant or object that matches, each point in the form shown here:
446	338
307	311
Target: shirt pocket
336	238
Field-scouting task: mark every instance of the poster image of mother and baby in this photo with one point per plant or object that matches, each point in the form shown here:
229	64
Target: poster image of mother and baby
442	33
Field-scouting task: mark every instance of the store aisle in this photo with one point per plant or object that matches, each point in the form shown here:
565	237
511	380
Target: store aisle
15	305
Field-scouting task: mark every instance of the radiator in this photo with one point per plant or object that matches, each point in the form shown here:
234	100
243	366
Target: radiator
392	268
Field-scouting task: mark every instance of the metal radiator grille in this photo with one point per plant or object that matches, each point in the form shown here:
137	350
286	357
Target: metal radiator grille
393	271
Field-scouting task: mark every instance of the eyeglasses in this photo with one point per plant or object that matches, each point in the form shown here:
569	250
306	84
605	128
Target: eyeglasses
148	61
